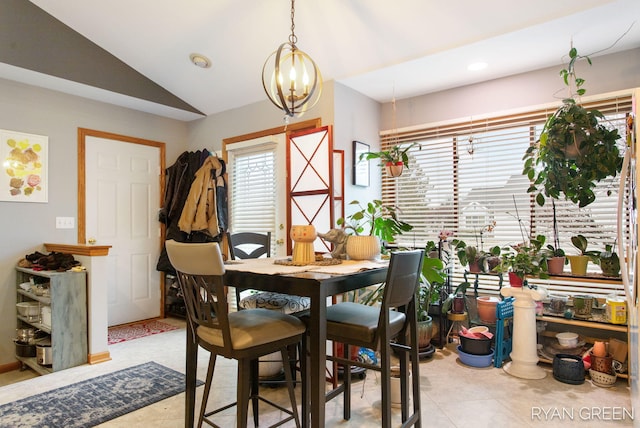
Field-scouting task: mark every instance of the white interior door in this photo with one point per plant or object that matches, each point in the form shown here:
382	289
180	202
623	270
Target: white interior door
122	201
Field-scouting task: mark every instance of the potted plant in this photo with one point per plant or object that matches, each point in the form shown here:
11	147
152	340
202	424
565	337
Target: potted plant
432	279
468	255
555	256
524	260
609	261
579	262
575	150
371	224
476	260
393	160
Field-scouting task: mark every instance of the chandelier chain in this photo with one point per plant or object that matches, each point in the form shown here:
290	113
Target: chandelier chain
292	38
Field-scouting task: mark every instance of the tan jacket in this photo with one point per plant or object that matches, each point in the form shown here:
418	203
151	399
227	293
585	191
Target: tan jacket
199	212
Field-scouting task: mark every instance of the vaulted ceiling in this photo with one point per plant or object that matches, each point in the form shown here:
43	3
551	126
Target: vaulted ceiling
136	53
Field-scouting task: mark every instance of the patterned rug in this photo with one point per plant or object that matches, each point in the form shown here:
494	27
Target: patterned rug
126	332
94	401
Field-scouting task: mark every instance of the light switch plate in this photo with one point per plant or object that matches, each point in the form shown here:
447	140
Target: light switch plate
65	222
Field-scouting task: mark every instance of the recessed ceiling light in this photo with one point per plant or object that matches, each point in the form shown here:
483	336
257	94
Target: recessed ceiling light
200	60
476	66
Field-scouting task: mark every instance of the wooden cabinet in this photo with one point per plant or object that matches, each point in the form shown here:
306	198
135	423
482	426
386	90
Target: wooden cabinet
67	332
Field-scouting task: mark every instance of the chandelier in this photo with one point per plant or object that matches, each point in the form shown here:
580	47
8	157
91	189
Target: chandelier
291	78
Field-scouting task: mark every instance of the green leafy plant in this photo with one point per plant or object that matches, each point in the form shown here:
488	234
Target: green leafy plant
375	219
575	150
395	156
581	244
460	289
609	261
526	259
432	278
468	254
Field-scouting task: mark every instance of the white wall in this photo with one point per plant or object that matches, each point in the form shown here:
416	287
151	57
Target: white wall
608	73
25	226
353	116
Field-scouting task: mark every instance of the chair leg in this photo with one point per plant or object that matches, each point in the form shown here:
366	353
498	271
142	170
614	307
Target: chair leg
346	379
385	379
255	375
243	394
304	375
415	378
292	356
289	379
207	388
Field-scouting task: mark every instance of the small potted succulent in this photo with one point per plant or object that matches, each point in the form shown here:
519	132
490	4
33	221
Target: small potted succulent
393	160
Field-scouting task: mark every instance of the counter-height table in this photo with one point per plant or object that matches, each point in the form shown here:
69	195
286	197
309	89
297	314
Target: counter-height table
318	282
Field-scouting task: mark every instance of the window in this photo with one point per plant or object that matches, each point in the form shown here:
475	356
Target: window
467	178
253	189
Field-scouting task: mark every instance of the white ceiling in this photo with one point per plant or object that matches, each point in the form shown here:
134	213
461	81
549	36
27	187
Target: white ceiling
380	48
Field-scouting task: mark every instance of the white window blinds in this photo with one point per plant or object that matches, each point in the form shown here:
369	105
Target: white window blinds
467	178
253	189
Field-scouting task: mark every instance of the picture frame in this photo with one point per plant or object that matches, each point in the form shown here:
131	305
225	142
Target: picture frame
24	175
360	168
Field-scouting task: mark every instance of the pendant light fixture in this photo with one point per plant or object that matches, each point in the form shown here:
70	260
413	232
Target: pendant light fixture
291	78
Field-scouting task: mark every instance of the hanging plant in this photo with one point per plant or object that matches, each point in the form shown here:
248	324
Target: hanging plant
575	150
393	160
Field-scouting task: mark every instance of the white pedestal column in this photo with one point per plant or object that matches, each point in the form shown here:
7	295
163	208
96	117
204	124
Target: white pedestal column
524	354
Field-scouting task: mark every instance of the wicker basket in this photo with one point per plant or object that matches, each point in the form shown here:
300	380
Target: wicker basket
602	379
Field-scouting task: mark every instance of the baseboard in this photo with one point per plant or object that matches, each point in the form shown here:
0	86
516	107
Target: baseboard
99	358
4	368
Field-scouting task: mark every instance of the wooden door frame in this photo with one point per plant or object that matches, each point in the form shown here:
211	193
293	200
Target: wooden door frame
83	133
286	129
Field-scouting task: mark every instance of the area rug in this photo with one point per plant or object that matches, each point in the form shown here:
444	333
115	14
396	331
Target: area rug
94	401
126	332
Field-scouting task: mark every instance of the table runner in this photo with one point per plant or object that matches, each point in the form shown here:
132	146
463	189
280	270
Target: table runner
268	267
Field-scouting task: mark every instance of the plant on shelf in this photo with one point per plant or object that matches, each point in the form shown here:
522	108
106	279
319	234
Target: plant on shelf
579	262
524	260
554	255
609	261
460	290
393	160
575	150
473	256
378	222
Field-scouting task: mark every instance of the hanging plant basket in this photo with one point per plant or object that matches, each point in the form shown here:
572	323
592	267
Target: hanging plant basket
394	169
576	150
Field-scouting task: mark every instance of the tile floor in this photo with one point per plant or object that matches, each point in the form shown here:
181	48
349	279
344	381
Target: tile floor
453	395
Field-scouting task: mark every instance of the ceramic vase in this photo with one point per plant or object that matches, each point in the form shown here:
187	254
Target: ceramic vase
578	265
474	266
515	280
555	265
394	170
487	308
363	247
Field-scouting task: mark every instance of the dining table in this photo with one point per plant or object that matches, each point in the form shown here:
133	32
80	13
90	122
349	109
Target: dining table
318	281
